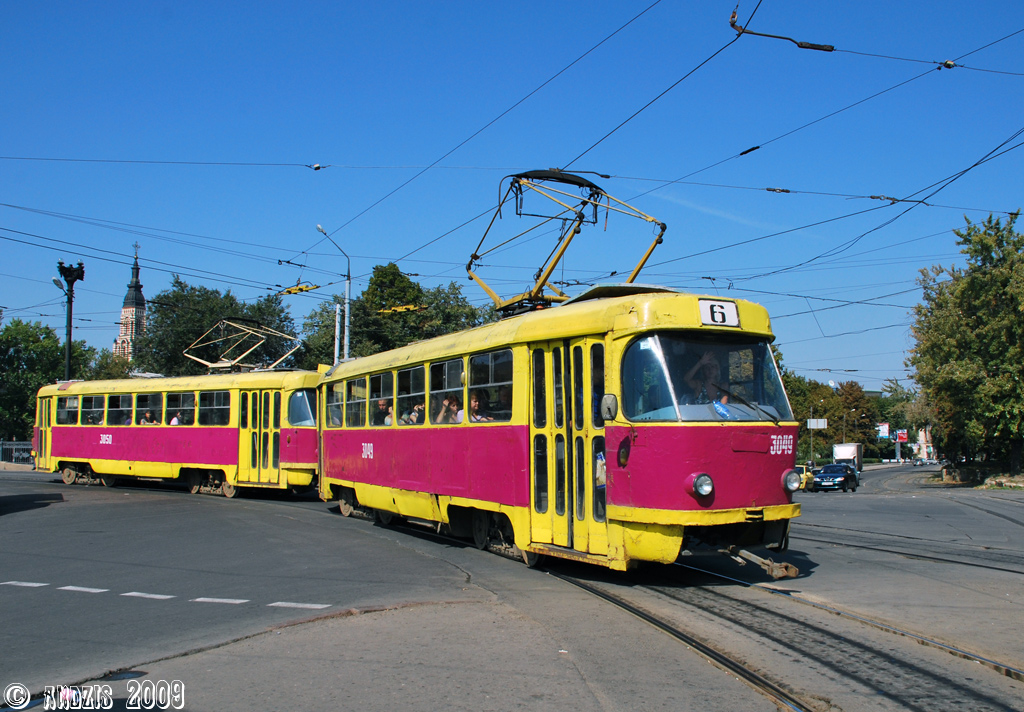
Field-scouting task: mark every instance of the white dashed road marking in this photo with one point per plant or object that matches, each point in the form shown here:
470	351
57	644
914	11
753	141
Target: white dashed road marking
83	589
287	604
165	597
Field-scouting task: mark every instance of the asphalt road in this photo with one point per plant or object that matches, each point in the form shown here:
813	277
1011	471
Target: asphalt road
95	579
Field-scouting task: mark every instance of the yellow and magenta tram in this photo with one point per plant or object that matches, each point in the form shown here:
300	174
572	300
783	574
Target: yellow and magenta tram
226	431
628	424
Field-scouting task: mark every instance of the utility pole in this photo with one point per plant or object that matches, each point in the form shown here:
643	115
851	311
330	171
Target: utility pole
348	291
70	275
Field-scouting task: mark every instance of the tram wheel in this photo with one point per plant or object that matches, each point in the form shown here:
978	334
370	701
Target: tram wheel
195	482
228	489
481	529
383	516
345	508
68	476
532	559
108	480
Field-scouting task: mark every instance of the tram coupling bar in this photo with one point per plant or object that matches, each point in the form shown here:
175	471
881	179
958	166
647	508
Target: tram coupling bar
776	571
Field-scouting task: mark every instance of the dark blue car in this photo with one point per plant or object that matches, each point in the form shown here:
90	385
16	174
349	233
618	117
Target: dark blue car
835	477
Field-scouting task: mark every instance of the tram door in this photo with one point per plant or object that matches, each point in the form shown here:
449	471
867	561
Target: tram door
43	444
567	482
259	425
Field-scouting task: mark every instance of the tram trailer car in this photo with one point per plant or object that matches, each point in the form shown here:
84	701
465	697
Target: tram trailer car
575	431
226	431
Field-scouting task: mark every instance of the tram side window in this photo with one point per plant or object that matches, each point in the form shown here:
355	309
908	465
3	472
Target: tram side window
596	383
150	408
92	410
181	408
67	410
335	396
540	403
302	408
214	407
577	386
600	478
119	410
412	387
382	395
355	403
540	473
490	381
446	399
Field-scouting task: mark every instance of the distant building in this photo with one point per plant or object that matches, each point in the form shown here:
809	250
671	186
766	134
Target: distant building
133	315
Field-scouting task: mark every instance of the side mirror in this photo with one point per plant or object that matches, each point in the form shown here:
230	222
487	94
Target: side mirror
609	406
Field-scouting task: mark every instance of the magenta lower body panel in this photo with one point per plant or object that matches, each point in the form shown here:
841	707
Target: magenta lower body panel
489	463
745	462
147	443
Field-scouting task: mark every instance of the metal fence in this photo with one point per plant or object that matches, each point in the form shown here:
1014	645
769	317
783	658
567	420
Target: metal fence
19	451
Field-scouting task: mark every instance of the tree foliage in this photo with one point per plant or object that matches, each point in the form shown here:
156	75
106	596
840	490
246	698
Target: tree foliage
392	311
108	366
31	356
969	355
177	317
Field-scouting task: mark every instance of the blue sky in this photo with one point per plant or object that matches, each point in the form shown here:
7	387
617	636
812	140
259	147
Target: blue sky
188	127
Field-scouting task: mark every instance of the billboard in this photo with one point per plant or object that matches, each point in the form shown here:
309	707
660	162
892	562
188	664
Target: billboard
901	436
883	431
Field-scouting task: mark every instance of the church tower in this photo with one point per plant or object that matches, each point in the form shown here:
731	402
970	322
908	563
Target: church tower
133	314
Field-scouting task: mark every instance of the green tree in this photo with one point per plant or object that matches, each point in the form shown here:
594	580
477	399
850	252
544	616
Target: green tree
969	355
177	317
108	366
31	356
392	311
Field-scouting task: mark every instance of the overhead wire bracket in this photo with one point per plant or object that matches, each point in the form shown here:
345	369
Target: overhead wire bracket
239	340
555	185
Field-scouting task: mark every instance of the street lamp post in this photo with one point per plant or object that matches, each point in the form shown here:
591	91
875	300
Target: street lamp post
348	291
70	275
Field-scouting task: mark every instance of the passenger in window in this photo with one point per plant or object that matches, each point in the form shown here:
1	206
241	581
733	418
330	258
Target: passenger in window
414	416
176	420
705	379
451	410
477	412
148	419
380	416
503	409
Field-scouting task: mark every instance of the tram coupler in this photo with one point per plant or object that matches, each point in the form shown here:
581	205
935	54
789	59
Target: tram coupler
776	571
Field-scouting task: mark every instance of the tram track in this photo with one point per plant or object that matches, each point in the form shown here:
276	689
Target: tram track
780	695
1002	668
834	664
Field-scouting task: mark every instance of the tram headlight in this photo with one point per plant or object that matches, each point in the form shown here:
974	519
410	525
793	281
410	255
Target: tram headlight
791	480
703	485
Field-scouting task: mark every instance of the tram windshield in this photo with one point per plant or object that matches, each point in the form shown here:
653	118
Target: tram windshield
677	377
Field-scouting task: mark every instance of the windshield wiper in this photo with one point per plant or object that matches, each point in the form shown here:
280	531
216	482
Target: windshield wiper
747	403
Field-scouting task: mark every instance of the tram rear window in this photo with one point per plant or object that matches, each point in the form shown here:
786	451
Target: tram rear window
119	410
335	403
92	410
490	385
181	408
67	410
214	407
669	376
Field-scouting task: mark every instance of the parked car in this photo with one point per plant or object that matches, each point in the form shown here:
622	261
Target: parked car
835	477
